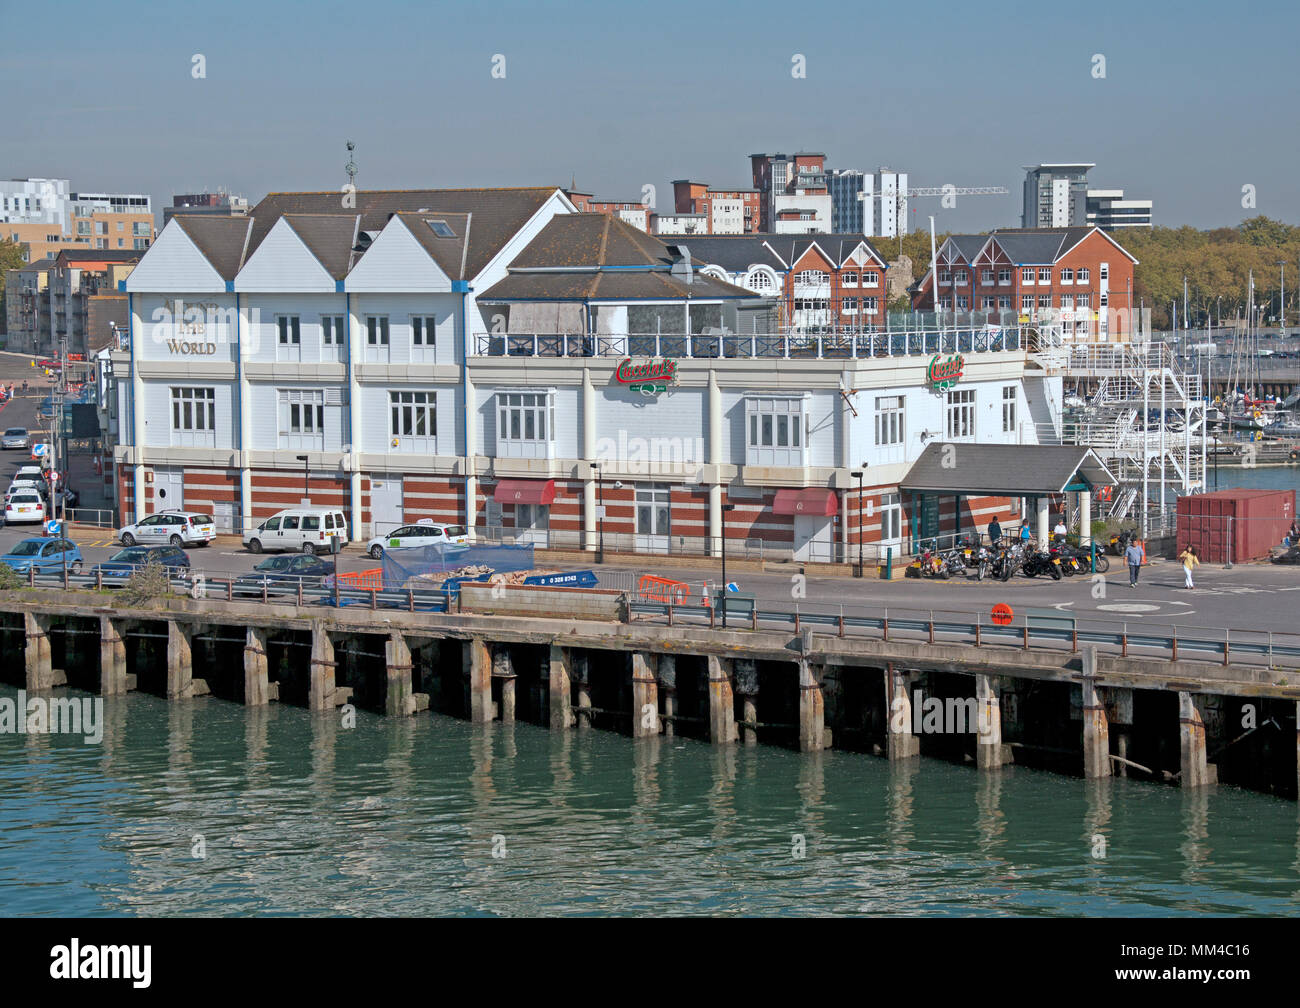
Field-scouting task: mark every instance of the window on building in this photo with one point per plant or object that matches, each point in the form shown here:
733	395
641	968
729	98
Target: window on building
424	330
1026	302
891	518
194	417
1067	301
525	424
760	281
1004	276
333	331
959	415
849	278
140	243
83	227
1027	276
290	332
1083	301
101	243
1044	300
960	276
1045	274
1004	300
377	330
142	228
1104	271
1010	396
1082	275
986	303
302	418
945	304
986	276
101	227
775	433
849	306
1067	275
963	302
812	277
889	420
121	225
414	419
945	276
870	278
1103	299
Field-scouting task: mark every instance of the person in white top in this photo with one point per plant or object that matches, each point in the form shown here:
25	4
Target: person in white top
1058	533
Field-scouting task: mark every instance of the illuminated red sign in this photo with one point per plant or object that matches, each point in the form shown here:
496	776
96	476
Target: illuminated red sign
649	378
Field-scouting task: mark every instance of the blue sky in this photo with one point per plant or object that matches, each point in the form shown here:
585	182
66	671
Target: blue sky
1198	100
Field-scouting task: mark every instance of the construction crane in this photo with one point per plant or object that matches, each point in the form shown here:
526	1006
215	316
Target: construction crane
902	196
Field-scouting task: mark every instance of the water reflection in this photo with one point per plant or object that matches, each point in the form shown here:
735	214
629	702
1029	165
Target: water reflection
430	815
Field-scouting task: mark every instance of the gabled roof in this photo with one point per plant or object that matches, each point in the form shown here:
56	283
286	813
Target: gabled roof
499	214
223	241
1038	246
449	253
1003	470
736	253
98	255
595	257
329	237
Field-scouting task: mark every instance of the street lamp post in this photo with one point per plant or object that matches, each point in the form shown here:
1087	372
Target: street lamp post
1281	307
306	479
857	474
722	594
600	514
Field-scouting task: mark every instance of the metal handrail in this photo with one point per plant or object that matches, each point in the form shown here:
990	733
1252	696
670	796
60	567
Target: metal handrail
879	622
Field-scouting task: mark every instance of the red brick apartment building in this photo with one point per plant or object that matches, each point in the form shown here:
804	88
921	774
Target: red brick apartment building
1079	276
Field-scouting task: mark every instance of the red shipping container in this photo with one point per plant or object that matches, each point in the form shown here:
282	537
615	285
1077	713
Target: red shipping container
1234	525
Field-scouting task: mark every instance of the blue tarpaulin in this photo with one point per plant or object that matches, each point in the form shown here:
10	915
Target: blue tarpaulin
401	565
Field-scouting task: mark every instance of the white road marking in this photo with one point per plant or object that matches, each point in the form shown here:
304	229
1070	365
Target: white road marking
1129	607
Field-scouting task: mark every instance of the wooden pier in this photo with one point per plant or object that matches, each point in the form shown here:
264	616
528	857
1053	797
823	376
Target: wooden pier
1184	722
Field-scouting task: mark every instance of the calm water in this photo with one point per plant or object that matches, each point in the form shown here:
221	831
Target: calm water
300	816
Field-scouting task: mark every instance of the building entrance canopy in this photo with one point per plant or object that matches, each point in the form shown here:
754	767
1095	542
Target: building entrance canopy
974	470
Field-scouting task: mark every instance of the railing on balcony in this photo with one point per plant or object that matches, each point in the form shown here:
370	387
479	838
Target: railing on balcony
829	344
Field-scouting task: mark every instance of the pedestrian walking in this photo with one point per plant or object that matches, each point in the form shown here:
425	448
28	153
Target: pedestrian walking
1133	555
995	532
1024	532
1190	563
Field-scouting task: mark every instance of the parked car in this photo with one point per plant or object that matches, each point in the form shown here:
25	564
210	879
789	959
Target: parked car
179	528
23	485
281	575
31	473
44	555
422	533
311	530
15	437
24	505
124	563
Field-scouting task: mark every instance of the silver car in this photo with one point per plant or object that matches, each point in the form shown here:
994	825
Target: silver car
15	437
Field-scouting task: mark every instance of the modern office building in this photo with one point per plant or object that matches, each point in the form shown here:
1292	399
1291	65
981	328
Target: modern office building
726	211
1056	195
793	193
873	204
44	217
1109	210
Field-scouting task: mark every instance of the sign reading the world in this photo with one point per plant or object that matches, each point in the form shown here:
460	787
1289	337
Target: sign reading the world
649	378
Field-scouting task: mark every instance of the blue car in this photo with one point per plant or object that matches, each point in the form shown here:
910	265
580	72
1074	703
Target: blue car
124	563
45	555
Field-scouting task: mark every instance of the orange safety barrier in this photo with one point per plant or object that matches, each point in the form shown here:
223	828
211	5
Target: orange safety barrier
657	589
363	580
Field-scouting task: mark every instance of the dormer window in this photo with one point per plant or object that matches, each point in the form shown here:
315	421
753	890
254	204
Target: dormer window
442	229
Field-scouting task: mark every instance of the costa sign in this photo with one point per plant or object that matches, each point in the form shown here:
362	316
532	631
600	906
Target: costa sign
944	372
649	378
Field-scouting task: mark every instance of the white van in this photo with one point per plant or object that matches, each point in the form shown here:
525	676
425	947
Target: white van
308	529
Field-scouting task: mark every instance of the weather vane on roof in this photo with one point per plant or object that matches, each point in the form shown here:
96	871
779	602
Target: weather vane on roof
351	166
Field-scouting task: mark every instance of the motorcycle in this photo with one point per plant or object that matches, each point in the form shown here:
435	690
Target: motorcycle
1120	541
979	557
1068	558
1042	562
929	563
954	563
1008	560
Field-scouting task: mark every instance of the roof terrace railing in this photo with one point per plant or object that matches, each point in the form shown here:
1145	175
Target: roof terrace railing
792	345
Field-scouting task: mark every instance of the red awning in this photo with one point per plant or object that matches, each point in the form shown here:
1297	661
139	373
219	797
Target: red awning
816	503
519	491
